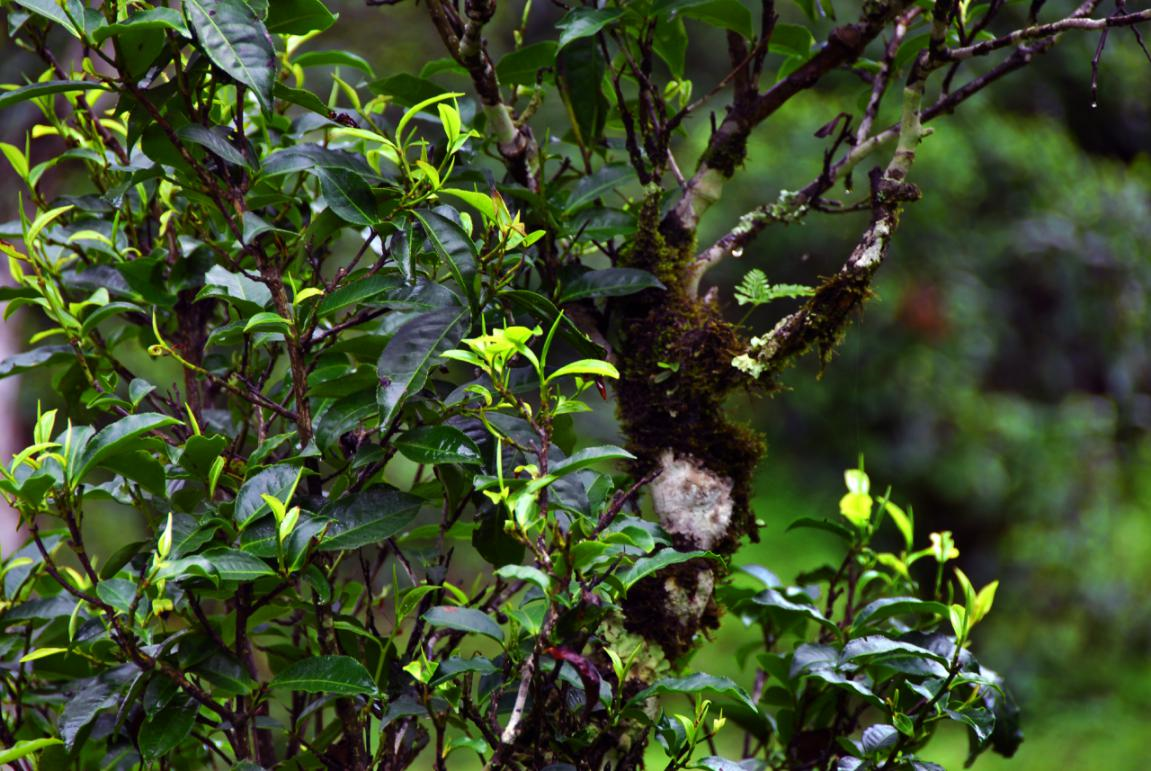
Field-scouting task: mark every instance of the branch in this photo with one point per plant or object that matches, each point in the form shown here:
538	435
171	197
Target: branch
464	41
727	146
1040	31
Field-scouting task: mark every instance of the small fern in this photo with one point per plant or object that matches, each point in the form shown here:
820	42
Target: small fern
755	290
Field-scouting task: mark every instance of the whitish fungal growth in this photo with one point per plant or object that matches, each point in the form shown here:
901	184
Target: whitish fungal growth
689	606
691	501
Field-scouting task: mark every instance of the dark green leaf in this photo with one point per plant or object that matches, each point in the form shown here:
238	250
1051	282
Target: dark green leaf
591	187
301	97
334	58
773	599
580	71
348	195
791	40
694	684
369	517
877	738
524	66
438	444
120	558
153	18
406	90
645	566
887	607
298	17
90	697
163	731
9	98
403	366
118	438
587	457
248	295
37	357
609	282
584	22
235	565
327	674
237	42
670	44
140	467
354	292
106	312
725	14
826	525
69	14
464	620
277	481
453	246
215	139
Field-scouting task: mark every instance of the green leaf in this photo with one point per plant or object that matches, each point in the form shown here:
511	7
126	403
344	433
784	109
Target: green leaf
215	140
343	179
327	674
888	607
585	22
117	438
26	747
586	367
755	290
453	246
235	565
9	98
670	686
69	14
725	14
464	620
266	321
523	67
355	292
163	731
791	40
301	97
594	186
348	196
772	599
36	358
368	517
117	592
438	444
278	481
580	69
826	525
248	295
406	90
670	44
587	457
237	42
404	363
876	645
107	312
645	566
298	17
609	282
153	18
335	58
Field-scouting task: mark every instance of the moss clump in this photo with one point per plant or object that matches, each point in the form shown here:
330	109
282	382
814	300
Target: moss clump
675	367
663	608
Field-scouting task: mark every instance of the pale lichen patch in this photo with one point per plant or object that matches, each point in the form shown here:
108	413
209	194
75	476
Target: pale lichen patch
692	501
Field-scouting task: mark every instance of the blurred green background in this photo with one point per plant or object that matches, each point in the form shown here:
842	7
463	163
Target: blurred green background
999	380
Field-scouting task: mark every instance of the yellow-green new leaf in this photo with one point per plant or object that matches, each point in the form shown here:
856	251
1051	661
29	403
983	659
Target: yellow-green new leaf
586	367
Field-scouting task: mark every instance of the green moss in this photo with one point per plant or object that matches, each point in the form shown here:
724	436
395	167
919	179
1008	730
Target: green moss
675	366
